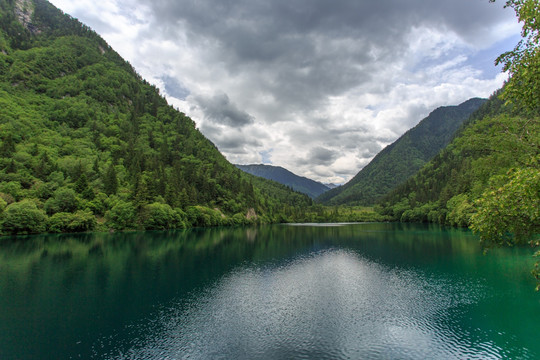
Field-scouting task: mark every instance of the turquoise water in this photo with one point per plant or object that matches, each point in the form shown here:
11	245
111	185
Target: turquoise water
356	291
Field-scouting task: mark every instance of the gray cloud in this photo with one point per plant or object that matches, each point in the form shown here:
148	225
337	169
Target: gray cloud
303	51
218	108
233	142
322	156
369	150
300	51
301	32
333	80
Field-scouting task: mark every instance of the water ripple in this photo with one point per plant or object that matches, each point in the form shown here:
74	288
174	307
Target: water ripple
330	305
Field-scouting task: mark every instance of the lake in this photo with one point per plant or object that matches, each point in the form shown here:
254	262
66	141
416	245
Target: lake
336	291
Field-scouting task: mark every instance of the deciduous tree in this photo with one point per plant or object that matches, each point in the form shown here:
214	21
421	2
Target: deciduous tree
523	63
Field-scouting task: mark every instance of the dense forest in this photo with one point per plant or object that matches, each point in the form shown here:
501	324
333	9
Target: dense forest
487	150
86	143
403	158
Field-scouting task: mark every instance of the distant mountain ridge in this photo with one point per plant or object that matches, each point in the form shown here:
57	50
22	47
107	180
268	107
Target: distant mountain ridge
283	176
403	158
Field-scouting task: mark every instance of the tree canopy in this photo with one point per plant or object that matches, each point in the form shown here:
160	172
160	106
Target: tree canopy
523	63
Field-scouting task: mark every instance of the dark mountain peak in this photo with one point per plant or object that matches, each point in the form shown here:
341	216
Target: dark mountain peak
286	177
472	104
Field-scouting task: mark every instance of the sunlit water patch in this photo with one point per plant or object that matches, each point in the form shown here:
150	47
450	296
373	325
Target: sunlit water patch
333	304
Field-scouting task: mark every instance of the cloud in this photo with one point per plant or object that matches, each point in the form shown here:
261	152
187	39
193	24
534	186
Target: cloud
322	156
317	87
218	108
174	87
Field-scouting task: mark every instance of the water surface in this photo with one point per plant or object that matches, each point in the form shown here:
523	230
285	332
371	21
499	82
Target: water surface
351	291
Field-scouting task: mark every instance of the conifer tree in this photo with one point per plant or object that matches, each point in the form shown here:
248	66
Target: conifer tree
110	181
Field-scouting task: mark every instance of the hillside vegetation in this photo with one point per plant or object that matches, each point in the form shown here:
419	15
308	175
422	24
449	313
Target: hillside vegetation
403	158
486	151
86	143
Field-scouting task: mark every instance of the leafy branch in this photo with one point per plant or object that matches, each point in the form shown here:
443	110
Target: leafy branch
523	63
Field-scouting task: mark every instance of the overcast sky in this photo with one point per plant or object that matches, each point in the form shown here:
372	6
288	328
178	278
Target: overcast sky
316	86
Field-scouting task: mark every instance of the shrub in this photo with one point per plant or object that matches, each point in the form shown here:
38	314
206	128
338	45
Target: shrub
77	222
158	216
64	200
99	204
122	215
205	217
3	205
12	188
459	210
24	217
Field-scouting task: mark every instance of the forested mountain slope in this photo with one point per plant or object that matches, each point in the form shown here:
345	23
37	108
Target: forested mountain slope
86	143
403	158
283	176
488	178
491	166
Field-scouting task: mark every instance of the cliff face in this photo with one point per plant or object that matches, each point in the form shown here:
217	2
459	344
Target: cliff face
24	11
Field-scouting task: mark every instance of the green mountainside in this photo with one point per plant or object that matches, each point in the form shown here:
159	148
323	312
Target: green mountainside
403	158
493	142
488	178
283	176
86	143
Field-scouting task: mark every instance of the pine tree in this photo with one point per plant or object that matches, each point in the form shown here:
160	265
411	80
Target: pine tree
110	181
